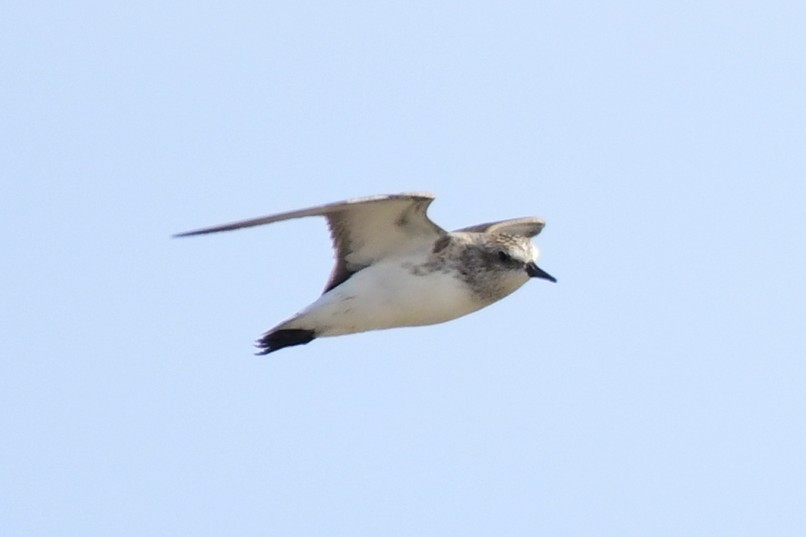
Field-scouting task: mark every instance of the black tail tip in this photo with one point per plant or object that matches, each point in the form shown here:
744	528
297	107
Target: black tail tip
279	339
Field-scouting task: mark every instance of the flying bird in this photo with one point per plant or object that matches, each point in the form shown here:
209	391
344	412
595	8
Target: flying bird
395	267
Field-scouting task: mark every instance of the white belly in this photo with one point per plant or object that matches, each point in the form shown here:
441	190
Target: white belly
386	296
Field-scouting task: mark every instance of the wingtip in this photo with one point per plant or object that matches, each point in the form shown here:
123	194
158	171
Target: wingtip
184	234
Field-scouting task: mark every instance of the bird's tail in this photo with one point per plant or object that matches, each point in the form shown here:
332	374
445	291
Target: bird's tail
279	338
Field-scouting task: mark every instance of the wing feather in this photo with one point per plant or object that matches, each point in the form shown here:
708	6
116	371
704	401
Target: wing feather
528	226
363	230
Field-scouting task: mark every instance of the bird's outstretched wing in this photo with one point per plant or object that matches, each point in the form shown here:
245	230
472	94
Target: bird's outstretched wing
364	230
528	226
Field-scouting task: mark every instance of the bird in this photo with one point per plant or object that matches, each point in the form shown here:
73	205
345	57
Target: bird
396	268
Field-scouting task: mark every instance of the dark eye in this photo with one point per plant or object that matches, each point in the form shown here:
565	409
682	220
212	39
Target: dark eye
504	257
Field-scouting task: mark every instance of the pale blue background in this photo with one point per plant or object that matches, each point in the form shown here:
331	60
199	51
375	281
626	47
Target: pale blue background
659	389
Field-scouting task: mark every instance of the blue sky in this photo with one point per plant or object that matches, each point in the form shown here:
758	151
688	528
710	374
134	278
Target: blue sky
657	389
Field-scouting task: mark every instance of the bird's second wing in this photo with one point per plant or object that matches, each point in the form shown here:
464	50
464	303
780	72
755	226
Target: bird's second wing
528	226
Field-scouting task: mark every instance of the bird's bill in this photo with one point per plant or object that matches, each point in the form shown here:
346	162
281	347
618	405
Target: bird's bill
536	272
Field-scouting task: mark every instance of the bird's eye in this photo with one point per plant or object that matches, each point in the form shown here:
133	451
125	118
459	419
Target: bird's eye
503	256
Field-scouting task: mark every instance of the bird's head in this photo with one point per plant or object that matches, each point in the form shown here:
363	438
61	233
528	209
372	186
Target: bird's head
498	264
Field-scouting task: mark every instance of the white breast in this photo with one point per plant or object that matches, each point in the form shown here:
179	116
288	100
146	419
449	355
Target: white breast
388	295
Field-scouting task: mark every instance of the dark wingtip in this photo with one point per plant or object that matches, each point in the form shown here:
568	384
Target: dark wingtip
279	339
185	234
